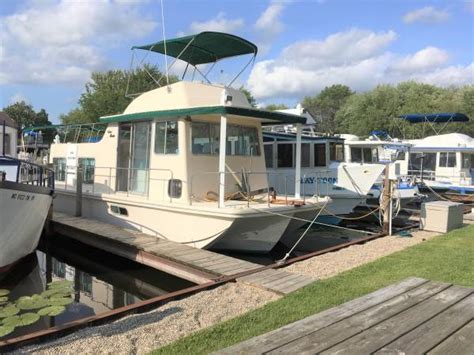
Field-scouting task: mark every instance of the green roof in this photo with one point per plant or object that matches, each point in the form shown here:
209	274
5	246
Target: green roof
267	117
204	47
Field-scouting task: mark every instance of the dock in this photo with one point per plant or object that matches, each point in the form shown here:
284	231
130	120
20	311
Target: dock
414	316
196	265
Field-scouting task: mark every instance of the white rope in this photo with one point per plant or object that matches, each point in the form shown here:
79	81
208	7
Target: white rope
164	42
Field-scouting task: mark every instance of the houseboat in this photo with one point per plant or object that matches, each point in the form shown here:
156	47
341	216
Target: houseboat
379	148
26	193
184	162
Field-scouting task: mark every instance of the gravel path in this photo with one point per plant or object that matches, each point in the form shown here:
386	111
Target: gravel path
138	334
331	264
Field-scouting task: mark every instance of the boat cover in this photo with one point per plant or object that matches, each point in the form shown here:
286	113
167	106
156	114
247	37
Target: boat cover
204	47
435	117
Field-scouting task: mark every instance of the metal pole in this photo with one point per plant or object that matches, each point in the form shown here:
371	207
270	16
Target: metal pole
4	135
78	192
385	201
222	153
390	207
298	162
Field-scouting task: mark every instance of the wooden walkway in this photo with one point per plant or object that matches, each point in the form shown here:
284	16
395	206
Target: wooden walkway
415	316
196	265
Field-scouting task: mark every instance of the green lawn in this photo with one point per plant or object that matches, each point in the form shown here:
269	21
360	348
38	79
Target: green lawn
447	258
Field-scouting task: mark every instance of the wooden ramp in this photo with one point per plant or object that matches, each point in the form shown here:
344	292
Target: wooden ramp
196	265
415	316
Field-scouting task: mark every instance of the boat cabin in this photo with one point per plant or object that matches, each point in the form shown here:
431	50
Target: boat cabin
8	135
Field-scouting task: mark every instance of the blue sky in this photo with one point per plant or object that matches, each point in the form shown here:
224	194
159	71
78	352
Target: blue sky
48	48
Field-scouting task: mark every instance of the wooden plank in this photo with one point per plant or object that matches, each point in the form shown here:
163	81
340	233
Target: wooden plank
460	343
293	285
209	262
284	279
233	269
325	338
261	276
439	327
289	332
387	331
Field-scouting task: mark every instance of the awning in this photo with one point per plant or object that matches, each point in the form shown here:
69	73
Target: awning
204	47
435	117
266	117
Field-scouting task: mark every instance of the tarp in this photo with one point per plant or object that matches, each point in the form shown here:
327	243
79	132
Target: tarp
204	47
435	117
267	117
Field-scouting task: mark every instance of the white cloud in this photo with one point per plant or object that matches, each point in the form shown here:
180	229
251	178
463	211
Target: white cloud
339	48
356	58
64	41
268	26
425	59
220	23
426	14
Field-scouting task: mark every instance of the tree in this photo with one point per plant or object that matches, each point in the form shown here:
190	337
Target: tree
249	96
275	107
326	105
25	116
105	93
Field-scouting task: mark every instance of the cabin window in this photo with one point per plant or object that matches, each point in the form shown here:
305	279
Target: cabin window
242	141
268	150
320	154
356	155
336	151
119	210
175	188
205	138
59	169
285	155
368	156
88	167
305	155
467	160
447	159
427	161
7	144
166	137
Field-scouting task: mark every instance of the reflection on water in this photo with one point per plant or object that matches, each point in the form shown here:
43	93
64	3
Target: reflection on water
102	282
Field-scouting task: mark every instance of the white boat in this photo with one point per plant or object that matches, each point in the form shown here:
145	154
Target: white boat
443	162
183	162
387	152
26	192
323	169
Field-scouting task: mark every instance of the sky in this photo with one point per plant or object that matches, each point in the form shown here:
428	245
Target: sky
49	48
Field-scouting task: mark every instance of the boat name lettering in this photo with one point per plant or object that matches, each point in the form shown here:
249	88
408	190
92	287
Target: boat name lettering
23	197
319	180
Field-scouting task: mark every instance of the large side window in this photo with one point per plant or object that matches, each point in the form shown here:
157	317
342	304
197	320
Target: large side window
467	160
59	169
205	138
320	154
7	144
166	137
368	158
336	151
447	159
356	155
242	140
88	168
305	158
268	150
285	155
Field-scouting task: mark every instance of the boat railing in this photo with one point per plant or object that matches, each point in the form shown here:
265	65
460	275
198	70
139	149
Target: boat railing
27	173
98	180
246	193
461	177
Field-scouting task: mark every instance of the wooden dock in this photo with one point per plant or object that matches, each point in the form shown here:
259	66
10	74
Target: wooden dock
196	265
415	316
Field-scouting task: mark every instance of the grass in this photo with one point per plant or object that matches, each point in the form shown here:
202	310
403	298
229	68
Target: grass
447	258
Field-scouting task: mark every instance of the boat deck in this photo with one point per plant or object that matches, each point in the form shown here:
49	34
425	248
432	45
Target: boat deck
196	265
414	316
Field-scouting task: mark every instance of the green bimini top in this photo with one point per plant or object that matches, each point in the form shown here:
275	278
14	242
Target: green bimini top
266	117
202	48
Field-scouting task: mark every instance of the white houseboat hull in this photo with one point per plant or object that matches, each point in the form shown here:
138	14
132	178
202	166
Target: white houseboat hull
256	229
22	217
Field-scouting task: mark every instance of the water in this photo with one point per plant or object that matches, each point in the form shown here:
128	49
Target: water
102	281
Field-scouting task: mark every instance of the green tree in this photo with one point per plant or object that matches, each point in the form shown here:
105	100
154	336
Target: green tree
105	93
275	107
249	96
325	106
25	116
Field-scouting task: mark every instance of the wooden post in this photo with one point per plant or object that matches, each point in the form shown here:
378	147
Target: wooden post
79	191
385	203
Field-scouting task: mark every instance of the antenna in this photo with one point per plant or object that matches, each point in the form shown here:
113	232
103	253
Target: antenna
164	42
